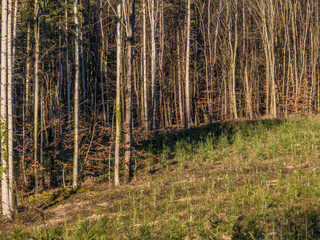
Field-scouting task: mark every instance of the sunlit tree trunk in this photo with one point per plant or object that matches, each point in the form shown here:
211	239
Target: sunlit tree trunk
246	75
209	73
233	46
10	105
6	211
266	21
118	102
188	107
153	63
76	100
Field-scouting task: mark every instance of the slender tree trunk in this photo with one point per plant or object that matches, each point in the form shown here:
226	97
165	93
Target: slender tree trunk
213	55
83	77
246	76
60	76
101	63
36	95
181	107
76	100
10	105
118	102
14	41
266	12
153	64
211	64
233	57
139	76
130	24
175	105
26	107
271	25
162	63
145	93
105	67
42	115
28	71
188	107
68	71
6	211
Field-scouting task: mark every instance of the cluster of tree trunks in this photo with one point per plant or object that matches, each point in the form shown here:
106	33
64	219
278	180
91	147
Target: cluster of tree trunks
76	75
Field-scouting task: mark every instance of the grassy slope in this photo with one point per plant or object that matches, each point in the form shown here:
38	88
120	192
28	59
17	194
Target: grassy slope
247	180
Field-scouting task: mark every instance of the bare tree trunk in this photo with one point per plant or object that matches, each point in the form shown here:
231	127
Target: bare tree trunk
68	71
26	107
101	63
42	115
83	79
10	105
6	211
246	76
153	64
181	108
266	20
162	115
188	107
76	100
145	93
60	76
36	95
130	24
271	25
210	57
233	56
14	41
28	70
118	102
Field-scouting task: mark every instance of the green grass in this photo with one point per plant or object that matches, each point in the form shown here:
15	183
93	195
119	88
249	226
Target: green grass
238	180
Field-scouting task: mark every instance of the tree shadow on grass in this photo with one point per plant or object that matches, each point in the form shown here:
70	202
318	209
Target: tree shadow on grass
167	142
304	225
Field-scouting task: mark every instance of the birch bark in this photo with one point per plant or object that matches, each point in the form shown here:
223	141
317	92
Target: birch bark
4	150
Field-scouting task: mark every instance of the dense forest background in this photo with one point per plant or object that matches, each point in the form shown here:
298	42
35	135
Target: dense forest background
178	64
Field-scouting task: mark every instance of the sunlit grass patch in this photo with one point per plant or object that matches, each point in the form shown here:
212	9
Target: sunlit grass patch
239	180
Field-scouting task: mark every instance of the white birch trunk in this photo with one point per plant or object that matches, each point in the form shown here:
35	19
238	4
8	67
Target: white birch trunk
9	94
4	151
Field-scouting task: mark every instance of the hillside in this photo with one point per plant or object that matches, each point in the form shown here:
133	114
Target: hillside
236	180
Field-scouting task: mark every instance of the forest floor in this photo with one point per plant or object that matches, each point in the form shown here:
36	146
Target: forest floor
237	180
